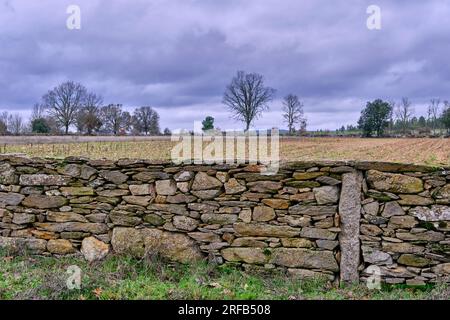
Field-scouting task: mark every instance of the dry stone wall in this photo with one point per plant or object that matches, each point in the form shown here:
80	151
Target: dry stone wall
336	219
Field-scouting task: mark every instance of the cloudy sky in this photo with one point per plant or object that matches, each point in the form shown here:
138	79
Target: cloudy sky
178	55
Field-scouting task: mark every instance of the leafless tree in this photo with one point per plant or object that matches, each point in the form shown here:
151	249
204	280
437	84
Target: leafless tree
4	122
293	112
64	102
146	120
404	112
114	119
247	97
38	111
433	112
15	124
88	117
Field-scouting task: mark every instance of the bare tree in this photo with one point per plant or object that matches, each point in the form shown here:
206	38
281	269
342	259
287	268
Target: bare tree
38	111
114	119
88	117
247	97
4	123
64	102
293	112
146	120
15	123
433	113
404	113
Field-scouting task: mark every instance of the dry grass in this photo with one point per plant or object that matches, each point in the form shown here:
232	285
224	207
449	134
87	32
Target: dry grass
420	150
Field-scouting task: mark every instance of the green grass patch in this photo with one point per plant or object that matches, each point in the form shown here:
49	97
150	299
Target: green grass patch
37	277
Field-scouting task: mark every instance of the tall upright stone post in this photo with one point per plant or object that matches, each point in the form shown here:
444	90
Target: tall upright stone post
350	214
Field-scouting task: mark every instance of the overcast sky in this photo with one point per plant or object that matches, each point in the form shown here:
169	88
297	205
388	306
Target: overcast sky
178	55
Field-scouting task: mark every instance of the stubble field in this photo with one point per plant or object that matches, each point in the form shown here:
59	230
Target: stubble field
413	150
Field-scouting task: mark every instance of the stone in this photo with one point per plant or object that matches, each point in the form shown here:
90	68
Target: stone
171	208
254	242
97	217
43	180
371	208
414	200
173	246
304	258
307	175
441	269
203	181
429	236
138	200
328	180
413	260
123	218
10	199
23	218
308	274
115	177
350	214
151	176
296	243
309	210
153	219
302	184
113	193
65	217
316	233
86	172
183	176
72	170
77	191
233	187
183	186
222	176
264	186
181	198
327	244
166	187
375	256
276	203
44	201
326	194
392	208
7	174
443	194
20	245
94	249
221	218
295	221
185	223
95	228
402	247
370	230
265	230
203	207
436	213
400	222
204	236
394	182
43	234
263	213
247	255
206	194
142	189
246	215
303	197
60	246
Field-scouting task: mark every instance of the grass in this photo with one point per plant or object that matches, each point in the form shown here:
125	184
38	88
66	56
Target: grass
434	152
37	277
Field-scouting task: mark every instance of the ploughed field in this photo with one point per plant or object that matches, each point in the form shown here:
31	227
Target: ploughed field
411	150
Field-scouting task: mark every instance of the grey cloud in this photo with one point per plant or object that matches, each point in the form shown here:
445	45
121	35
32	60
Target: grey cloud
179	55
